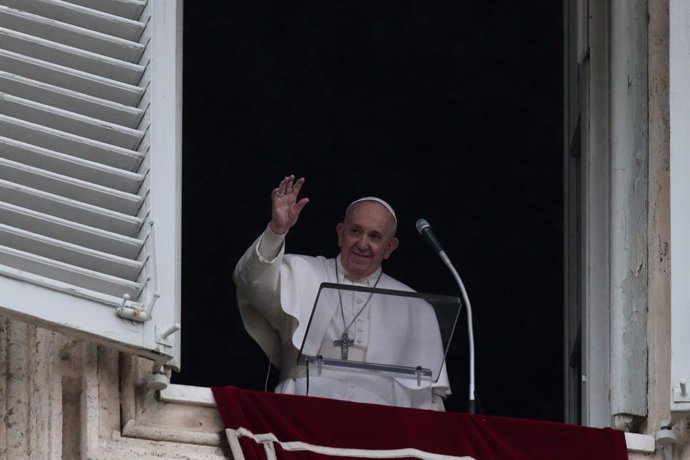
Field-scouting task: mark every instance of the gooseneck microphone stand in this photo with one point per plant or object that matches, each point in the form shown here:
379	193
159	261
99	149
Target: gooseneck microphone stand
470	329
424	229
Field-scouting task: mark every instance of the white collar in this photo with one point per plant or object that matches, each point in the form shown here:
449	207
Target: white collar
367	281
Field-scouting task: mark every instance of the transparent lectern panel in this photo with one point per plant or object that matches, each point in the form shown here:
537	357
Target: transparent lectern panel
400	333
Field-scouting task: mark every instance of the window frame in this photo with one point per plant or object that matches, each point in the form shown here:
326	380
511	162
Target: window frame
679	106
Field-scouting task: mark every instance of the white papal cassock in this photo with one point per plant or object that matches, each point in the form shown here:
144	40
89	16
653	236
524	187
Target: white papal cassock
276	293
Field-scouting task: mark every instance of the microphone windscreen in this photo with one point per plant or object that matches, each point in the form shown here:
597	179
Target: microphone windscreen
421	225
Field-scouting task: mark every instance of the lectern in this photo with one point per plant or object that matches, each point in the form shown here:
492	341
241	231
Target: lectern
376	336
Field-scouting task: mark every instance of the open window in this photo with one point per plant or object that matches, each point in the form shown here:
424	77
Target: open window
90	155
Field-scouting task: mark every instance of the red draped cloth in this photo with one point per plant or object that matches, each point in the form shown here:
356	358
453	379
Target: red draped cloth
267	425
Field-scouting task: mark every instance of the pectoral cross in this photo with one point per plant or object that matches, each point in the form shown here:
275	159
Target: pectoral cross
344	343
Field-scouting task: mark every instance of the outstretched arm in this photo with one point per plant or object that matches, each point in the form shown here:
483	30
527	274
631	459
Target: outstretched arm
257	274
285	205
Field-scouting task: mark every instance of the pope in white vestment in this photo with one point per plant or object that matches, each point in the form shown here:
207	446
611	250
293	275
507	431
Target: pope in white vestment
276	293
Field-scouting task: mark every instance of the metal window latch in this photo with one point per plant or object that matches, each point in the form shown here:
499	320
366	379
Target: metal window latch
141	311
163	336
131	310
681	393
137	311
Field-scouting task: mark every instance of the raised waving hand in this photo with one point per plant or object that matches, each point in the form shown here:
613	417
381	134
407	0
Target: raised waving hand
285	205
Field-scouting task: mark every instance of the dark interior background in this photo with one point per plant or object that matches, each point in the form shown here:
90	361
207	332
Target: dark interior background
450	110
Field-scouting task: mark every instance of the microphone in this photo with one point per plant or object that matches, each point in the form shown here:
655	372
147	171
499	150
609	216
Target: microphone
424	229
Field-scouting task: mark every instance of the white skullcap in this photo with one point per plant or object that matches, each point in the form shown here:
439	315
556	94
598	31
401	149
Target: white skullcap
378	200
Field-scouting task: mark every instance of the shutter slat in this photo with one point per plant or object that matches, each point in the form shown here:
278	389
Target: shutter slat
69	78
76	211
71	13
69	122
59	163
69	56
70	144
69	100
71	232
70	274
70	35
70	188
69	253
130	9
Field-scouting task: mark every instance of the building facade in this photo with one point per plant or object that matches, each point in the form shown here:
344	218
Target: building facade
90	153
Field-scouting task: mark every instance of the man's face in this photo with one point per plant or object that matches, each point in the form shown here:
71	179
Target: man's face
366	238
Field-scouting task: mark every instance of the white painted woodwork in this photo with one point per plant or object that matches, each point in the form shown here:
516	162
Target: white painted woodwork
69	144
70	122
89	18
71	188
77	58
587	171
70	78
70	231
679	98
70	253
66	165
90	154
596	405
165	139
62	98
65	208
629	188
130	9
70	35
43	271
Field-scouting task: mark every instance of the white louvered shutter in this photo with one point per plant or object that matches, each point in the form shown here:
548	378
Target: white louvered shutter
90	155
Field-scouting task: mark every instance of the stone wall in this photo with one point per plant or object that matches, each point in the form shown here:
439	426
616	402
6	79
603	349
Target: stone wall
67	399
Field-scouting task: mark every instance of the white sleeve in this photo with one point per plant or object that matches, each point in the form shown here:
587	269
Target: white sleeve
257	276
270	245
437	402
